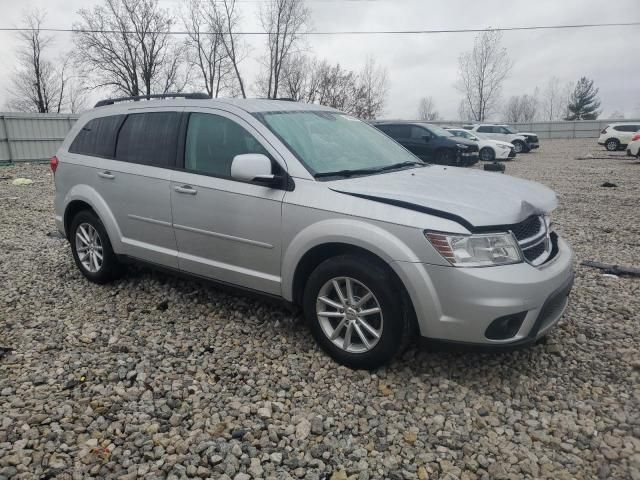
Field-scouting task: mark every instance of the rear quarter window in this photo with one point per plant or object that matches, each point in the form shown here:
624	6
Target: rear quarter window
149	138
97	137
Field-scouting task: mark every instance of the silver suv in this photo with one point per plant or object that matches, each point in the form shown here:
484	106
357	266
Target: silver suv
318	208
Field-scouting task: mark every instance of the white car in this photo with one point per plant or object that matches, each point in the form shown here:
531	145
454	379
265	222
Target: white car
522	142
489	149
633	149
617	135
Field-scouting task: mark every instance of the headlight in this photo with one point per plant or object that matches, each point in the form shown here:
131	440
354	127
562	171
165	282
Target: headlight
461	146
482	250
504	147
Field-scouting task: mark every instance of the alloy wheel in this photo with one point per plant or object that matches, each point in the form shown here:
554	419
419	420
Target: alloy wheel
612	146
89	247
518	147
349	314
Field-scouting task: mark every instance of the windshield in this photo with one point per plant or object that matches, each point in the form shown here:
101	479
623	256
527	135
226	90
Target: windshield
461	133
439	131
332	142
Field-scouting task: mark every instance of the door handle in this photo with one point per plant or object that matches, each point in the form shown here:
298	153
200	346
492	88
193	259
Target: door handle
186	189
106	174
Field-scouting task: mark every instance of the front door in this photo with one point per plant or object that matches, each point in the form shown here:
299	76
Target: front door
225	229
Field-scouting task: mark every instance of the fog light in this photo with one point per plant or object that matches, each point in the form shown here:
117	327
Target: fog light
505	327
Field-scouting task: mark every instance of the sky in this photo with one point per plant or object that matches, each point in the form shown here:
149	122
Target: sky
425	65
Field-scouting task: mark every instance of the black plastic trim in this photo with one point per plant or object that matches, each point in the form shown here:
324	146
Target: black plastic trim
190	96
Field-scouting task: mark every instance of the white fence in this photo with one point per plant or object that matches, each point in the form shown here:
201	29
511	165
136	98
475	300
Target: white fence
559	129
32	137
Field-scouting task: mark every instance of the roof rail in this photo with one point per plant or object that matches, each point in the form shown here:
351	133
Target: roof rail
193	96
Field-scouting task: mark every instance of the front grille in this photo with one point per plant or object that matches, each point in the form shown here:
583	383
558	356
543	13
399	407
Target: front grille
534	252
533	138
528	228
512	153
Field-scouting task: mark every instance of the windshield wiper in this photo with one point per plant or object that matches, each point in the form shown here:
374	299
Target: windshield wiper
367	171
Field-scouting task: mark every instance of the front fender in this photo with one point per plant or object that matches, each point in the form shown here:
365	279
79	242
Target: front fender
361	234
89	195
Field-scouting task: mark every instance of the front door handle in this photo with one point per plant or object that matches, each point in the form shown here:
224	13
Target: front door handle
106	174
186	189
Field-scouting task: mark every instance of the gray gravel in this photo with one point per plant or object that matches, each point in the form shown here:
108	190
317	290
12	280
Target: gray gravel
160	377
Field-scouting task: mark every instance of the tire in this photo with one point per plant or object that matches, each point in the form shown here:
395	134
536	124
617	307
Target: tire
87	229
445	157
612	145
487	154
391	324
519	146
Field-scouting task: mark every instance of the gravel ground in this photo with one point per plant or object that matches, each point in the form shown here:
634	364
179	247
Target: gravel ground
160	377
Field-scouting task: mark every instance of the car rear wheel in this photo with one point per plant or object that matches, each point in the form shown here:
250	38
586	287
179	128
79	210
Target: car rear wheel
487	154
355	311
612	144
92	249
519	146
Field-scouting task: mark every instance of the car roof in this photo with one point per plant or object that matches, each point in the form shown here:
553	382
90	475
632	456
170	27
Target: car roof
402	122
251	105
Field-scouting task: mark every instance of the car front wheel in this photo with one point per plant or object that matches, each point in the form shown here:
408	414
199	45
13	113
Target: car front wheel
355	311
612	145
487	154
519	146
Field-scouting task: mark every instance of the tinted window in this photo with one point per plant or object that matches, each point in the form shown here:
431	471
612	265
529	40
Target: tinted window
97	137
626	128
213	141
485	129
399	131
149	138
418	133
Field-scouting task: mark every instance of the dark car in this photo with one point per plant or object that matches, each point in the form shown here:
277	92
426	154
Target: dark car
432	143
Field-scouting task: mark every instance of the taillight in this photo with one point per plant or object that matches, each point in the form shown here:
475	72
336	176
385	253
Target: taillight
604	131
53	163
636	137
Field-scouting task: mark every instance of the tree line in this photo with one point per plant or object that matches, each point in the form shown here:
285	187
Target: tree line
126	47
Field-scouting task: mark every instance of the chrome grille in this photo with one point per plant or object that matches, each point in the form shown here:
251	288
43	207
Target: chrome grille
532	235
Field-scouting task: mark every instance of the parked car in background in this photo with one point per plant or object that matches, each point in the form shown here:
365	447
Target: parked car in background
633	148
490	150
522	142
432	143
314	207
616	136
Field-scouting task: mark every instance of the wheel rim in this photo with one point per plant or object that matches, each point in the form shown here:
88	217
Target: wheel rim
486	155
89	247
517	147
612	146
349	315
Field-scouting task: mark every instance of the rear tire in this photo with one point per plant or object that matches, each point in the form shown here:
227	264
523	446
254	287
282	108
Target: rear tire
612	145
92	249
363	325
487	154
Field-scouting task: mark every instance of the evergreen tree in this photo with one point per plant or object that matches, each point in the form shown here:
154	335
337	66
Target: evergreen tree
584	102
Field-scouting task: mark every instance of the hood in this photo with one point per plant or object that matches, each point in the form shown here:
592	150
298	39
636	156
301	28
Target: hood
527	134
462	141
472	198
500	142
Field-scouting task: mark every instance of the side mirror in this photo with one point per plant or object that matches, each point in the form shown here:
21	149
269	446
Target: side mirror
254	167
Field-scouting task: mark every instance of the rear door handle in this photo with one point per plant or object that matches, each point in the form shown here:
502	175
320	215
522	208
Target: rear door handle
186	189
106	174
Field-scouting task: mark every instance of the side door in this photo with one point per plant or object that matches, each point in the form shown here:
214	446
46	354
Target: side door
420	141
136	185
626	133
488	130
225	229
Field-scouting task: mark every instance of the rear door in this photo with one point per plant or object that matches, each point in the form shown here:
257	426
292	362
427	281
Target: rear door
488	131
136	185
226	229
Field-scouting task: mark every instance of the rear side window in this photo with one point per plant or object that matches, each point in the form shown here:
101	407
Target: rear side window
212	143
149	138
626	128
399	131
98	137
485	129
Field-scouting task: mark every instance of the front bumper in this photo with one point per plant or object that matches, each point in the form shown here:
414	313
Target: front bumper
533	145
467	159
459	304
504	154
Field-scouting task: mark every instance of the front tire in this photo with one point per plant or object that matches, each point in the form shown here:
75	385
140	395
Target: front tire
612	144
355	311
487	154
92	249
519	146
445	157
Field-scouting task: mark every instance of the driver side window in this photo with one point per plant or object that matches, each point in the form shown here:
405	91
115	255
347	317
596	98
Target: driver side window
212	143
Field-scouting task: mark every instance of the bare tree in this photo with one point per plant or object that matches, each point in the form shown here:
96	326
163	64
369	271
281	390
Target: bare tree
523	108
284	21
297	75
371	91
482	72
567	91
552	104
234	49
206	52
124	45
427	110
37	85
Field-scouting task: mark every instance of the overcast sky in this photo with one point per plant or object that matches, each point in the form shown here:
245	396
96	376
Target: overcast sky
422	65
